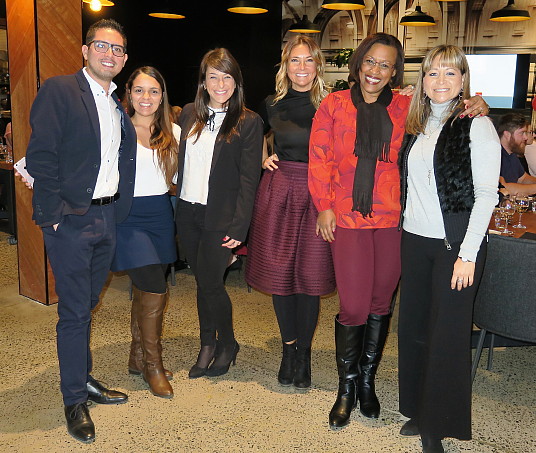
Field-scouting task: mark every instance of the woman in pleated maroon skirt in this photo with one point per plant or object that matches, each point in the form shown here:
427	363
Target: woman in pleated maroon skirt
285	256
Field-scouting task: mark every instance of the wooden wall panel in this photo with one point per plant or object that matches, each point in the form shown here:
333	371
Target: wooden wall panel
23	80
57	50
59	38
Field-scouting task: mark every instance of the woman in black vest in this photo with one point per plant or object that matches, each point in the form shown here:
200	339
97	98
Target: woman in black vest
449	172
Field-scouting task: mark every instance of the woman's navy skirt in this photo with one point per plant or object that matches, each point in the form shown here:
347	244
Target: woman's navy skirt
147	235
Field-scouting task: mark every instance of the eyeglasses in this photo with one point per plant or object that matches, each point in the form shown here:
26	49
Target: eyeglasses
371	63
103	46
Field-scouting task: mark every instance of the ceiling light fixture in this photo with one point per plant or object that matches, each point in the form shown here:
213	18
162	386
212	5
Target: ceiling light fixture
96	5
417	19
304	26
247	7
343	5
510	13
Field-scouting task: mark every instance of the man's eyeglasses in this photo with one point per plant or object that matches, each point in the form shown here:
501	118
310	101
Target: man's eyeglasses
103	46
371	63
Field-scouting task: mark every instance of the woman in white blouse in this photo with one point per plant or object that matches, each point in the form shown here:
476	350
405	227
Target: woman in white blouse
220	157
146	239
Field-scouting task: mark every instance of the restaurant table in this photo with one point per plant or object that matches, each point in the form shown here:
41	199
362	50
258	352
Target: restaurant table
7	179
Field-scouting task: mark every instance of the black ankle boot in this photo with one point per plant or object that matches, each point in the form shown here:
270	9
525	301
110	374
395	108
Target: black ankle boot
431	444
376	331
348	344
410	428
302	376
288	365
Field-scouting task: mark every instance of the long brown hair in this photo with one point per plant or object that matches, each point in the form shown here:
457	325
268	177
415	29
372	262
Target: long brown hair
162	140
222	60
419	109
283	83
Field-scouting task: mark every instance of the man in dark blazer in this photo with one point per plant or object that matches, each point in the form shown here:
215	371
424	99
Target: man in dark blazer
82	155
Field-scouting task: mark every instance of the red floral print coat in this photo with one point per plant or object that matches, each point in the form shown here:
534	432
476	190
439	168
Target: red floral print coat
332	163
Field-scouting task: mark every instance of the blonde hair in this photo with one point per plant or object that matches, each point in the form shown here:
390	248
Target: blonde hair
282	82
419	109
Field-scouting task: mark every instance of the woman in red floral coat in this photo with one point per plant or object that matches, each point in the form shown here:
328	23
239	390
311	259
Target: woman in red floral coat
355	185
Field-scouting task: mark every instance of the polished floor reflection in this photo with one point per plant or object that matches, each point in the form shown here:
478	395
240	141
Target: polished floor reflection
245	410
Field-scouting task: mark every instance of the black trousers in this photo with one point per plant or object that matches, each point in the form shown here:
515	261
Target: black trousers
434	338
208	260
80	253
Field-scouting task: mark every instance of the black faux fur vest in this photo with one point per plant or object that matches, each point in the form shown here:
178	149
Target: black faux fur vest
452	170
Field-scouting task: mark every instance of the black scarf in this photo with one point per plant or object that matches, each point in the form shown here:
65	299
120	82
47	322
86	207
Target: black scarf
372	141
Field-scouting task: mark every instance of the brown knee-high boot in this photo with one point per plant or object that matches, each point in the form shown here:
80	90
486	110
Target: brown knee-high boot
150	319
135	360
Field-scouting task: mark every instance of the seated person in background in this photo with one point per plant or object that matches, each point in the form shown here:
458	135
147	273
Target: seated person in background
512	130
530	153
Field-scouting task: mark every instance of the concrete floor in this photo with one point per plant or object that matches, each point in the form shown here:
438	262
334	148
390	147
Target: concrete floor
244	410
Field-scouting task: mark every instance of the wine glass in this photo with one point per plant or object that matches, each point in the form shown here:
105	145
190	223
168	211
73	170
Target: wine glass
508	209
522	205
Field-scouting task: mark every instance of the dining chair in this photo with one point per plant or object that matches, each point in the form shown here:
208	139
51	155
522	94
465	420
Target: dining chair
505	303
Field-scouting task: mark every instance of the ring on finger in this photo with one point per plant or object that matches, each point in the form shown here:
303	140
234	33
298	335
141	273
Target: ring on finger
460	280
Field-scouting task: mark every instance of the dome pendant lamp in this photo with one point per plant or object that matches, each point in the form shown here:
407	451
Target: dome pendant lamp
510	14
343	5
417	19
247	7
304	26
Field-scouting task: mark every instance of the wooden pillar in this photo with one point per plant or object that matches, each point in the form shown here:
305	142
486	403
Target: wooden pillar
32	59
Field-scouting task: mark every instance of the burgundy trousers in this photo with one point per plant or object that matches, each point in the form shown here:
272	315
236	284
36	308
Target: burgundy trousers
367	270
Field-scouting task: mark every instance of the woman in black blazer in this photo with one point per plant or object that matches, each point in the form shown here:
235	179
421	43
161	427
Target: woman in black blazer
220	157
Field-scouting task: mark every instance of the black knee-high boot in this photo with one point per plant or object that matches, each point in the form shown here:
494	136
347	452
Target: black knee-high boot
348	344
376	331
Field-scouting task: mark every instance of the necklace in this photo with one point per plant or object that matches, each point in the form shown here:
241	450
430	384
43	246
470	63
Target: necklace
428	169
432	132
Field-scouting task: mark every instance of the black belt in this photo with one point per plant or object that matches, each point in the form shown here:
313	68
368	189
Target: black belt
105	200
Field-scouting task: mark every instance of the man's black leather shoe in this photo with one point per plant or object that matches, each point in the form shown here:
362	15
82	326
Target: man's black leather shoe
79	423
99	394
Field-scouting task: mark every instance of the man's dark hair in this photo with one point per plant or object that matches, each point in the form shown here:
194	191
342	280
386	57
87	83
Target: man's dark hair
106	23
511	122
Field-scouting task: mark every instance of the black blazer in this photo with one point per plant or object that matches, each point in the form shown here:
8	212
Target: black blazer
234	174
64	152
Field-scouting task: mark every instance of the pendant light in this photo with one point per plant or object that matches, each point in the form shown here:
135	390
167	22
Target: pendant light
417	19
96	5
343	5
304	25
510	14
165	13
247	7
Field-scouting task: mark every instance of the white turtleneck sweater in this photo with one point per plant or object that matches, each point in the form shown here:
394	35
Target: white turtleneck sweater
422	215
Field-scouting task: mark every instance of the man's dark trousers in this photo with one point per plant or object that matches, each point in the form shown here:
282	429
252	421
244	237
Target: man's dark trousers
80	253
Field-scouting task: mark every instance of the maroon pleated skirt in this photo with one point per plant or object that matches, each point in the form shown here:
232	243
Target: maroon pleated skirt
285	256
